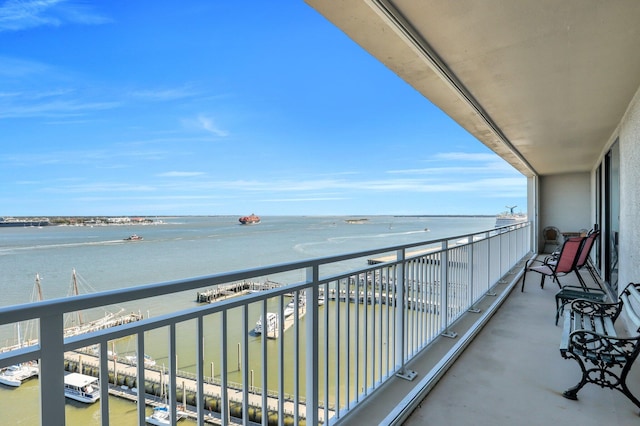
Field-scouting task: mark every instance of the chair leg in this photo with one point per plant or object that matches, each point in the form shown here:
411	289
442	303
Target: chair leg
557	280
524	277
592	272
582	283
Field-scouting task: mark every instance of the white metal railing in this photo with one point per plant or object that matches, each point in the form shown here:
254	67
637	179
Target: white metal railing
358	328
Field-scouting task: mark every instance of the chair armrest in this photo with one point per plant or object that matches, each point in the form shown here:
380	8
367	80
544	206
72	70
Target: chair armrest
592	308
581	289
531	261
603	348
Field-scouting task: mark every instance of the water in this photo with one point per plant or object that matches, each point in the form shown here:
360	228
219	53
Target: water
179	248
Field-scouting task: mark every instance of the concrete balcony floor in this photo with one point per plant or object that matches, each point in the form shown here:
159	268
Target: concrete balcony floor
511	373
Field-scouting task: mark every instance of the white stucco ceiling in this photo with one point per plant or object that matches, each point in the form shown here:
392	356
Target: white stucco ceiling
543	83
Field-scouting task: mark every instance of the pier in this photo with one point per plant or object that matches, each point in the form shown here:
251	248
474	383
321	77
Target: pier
383	299
124	384
109	320
225	291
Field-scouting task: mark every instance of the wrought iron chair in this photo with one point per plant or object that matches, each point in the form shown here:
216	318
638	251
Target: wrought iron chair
552	237
565	263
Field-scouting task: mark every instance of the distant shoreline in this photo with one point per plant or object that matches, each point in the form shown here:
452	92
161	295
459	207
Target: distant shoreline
147	219
445	215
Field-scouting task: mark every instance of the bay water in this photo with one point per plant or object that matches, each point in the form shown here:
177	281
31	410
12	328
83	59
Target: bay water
177	248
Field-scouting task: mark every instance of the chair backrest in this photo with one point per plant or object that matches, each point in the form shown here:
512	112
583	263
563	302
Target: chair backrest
569	254
586	248
551	233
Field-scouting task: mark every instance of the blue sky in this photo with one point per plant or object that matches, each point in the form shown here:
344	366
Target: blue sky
209	107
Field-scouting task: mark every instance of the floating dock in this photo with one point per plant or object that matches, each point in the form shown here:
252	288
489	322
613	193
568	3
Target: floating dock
123	379
225	291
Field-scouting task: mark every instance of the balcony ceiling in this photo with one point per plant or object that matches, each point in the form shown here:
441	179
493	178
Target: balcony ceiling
543	83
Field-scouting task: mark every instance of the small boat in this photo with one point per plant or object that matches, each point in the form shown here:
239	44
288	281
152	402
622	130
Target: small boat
81	388
14	375
249	220
162	416
148	361
291	306
133	237
272	323
356	221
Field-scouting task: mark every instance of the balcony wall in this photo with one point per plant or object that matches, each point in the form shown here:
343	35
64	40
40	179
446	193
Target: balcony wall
629	139
565	202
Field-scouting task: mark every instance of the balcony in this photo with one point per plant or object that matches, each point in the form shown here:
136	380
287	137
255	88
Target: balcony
378	346
512	373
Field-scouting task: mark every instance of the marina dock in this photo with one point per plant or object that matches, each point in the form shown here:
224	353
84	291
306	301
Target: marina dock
125	377
226	291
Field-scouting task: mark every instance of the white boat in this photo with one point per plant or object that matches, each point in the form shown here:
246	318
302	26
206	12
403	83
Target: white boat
14	375
320	299
81	388
148	361
291	306
162	416
272	323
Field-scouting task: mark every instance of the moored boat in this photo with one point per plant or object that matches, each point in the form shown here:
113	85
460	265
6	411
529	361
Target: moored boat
148	361
161	416
272	323
81	387
14	375
252	219
291	306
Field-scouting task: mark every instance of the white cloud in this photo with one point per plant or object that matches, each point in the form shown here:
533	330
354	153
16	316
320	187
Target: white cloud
181	174
207	124
56	108
14	67
164	94
203	122
465	156
16	15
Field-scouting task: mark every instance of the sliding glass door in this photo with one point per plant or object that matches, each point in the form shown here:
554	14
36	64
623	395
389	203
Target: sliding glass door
611	210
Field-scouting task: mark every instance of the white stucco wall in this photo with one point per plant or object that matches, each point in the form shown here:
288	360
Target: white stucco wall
629	142
565	202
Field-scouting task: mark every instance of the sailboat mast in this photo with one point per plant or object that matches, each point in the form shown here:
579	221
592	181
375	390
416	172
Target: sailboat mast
19	335
76	293
38	288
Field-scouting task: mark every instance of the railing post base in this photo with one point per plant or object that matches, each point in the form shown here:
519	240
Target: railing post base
407	374
449	334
